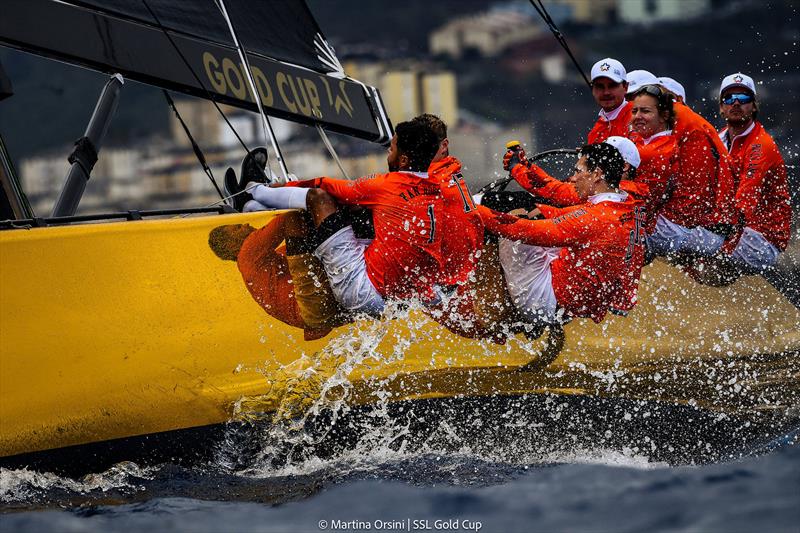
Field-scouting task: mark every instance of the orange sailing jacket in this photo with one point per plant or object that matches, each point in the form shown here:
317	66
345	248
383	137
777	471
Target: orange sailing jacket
657	171
461	226
704	189
405	258
538	182
604	128
600	244
762	193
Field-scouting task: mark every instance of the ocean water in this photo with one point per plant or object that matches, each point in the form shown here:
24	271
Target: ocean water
506	476
594	491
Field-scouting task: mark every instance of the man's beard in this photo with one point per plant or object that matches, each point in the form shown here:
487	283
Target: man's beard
738	121
394	167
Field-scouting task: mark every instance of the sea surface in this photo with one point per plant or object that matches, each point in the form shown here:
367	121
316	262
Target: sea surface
384	488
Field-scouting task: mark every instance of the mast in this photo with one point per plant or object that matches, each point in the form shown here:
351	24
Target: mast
265	124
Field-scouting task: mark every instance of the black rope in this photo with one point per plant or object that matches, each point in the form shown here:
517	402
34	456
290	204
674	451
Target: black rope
209	95
539	7
238	42
197	152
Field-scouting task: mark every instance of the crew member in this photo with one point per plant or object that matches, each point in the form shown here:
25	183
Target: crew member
564	193
673	87
460	222
287	281
571	265
405	258
703	195
608	89
762	194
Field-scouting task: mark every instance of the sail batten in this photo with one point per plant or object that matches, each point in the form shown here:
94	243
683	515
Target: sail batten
294	80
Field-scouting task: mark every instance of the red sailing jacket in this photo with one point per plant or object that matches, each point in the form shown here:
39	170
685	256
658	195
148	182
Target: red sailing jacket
762	193
603	129
657	171
599	244
405	258
538	182
461	226
704	189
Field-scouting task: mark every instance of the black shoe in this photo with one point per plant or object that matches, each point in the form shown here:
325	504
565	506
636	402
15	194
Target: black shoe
253	167
233	191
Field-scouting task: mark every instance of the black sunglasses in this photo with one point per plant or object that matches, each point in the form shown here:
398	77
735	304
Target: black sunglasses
652	90
742	98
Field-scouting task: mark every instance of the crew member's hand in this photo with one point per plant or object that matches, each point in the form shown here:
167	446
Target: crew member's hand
513	158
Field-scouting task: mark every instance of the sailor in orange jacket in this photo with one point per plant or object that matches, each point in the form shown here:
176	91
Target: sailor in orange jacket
404	260
286	281
563	194
608	89
762	194
572	265
460	221
699	213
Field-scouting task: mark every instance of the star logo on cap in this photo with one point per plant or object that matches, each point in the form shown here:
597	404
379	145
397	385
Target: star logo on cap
738	79
604	67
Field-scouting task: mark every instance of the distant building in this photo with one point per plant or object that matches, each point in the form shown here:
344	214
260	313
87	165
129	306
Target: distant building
488	34
411	88
649	11
480	145
589	11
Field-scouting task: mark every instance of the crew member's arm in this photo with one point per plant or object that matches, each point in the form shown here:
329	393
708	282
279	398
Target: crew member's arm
751	184
350	192
538	182
577	226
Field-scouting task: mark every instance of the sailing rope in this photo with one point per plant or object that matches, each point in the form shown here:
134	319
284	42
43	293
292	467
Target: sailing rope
329	146
209	95
256	98
538	5
197	152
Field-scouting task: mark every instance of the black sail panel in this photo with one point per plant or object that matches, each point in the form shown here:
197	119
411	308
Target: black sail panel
297	75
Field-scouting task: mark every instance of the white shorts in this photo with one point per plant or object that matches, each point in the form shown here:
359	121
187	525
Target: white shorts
670	237
342	255
755	251
529	280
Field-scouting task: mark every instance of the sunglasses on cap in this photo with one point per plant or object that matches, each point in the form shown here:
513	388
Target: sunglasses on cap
742	98
652	90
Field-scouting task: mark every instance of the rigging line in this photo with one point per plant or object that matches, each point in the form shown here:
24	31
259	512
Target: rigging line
196	77
559	36
329	146
256	98
197	152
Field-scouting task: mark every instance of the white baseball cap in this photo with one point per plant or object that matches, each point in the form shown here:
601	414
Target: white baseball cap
738	80
627	150
673	86
639	78
608	68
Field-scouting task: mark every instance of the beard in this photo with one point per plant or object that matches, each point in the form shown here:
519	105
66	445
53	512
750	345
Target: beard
738	121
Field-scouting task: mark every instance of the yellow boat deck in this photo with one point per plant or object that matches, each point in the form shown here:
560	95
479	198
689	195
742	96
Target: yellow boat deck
123	329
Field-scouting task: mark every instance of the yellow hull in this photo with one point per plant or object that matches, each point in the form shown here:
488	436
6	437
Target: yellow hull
123	329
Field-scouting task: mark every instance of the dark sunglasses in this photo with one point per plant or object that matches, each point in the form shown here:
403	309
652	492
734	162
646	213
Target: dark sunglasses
652	90
738	97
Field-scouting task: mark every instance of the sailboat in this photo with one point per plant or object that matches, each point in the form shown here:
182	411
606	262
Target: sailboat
127	331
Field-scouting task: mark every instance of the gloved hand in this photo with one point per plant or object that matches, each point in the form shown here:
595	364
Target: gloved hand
513	157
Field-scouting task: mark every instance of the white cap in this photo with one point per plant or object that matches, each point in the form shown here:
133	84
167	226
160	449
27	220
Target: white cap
627	150
608	68
639	78
673	86
738	80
